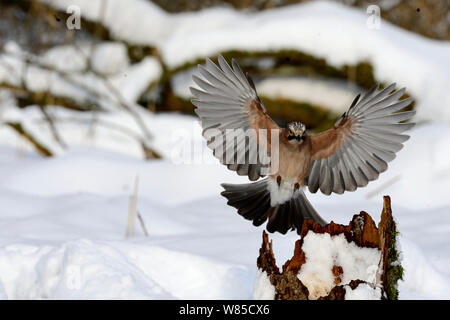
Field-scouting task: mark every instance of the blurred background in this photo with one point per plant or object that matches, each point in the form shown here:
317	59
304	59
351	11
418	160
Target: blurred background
107	55
95	108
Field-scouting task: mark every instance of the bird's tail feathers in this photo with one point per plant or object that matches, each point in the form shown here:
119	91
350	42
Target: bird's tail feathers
252	200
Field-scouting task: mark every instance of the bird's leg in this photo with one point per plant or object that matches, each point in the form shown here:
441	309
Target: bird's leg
279	180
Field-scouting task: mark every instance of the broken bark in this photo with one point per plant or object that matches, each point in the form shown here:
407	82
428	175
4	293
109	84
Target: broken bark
361	231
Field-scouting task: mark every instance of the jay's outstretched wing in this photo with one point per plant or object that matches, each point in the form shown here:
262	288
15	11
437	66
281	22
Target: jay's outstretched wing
361	143
228	101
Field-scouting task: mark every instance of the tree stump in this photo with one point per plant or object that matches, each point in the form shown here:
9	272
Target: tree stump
335	262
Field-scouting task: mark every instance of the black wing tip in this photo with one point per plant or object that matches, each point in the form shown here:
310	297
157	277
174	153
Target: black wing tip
250	81
355	101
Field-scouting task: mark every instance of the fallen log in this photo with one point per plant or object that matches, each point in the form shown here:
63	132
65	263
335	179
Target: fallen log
335	262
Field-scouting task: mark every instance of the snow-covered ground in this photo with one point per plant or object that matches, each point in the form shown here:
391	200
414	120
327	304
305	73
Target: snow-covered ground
63	220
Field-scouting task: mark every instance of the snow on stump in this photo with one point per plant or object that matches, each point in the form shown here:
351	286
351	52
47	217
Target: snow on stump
335	262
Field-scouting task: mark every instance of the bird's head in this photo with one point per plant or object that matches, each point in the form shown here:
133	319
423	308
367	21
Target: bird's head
296	132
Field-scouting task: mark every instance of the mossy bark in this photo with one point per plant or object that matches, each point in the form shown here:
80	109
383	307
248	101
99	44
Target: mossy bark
392	268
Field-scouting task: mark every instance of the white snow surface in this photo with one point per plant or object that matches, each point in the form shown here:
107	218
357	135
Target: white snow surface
63	220
323	251
263	290
325	29
362	292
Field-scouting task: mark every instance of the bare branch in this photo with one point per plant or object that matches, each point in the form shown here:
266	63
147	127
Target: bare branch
17	126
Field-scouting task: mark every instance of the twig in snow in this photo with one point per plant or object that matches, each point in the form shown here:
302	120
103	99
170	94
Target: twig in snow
52	127
132	209
141	221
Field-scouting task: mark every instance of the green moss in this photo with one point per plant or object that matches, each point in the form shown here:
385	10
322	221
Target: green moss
137	53
394	269
281	110
294	62
173	103
284	63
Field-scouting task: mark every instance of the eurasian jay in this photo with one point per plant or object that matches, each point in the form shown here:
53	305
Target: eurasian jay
349	155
